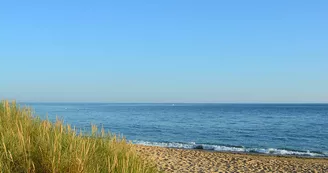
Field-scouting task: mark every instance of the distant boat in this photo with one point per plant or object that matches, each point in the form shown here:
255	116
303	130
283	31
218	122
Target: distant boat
173	104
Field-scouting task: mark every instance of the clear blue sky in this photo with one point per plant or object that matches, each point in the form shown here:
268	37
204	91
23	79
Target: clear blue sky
164	51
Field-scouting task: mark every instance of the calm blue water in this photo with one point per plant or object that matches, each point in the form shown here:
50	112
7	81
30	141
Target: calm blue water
287	129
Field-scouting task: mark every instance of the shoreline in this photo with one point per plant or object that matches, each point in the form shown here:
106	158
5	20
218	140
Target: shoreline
244	153
256	153
199	160
307	154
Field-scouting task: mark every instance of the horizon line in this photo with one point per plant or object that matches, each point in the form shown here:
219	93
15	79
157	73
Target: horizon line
95	102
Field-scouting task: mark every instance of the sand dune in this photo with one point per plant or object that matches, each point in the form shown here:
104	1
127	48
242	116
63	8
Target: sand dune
181	160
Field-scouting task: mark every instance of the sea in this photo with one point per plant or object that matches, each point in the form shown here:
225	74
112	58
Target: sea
275	129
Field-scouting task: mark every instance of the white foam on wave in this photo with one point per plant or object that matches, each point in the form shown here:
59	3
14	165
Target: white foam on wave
289	152
193	145
165	144
225	148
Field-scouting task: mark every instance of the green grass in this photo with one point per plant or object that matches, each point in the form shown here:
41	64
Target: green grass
29	144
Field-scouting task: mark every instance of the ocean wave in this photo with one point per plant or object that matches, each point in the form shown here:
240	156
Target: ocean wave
271	151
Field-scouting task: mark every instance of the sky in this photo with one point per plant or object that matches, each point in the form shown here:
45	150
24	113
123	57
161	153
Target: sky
164	51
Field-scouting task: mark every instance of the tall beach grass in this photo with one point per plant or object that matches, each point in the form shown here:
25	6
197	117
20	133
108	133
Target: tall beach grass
29	144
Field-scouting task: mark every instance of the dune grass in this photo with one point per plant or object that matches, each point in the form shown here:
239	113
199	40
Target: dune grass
29	144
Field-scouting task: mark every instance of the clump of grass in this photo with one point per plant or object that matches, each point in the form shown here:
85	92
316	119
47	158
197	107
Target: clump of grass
29	144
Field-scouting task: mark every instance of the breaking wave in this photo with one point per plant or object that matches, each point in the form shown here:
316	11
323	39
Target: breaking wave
271	151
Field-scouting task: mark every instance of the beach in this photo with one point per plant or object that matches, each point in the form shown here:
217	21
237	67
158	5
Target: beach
220	130
184	160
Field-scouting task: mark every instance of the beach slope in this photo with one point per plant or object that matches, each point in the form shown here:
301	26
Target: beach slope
182	160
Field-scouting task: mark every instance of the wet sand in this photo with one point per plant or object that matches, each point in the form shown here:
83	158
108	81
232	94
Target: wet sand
183	160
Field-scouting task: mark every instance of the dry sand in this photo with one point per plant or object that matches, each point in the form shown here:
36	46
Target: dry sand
182	160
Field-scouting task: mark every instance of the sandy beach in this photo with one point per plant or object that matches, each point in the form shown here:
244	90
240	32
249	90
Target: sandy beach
182	160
